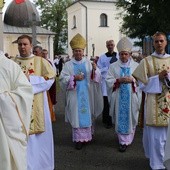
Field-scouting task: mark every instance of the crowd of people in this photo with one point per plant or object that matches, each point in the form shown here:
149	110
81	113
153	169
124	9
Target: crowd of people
123	91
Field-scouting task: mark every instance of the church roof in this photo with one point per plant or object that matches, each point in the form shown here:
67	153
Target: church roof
21	15
8	29
97	1
19	18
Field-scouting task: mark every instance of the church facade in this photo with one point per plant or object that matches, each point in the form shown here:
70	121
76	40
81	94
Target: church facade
97	21
23	18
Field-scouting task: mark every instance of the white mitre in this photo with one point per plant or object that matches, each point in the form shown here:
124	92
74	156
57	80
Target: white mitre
124	45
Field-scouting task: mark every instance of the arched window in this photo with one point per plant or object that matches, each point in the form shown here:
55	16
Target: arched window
103	20
74	21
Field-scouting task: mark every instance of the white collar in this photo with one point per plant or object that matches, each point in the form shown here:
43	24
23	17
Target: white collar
127	64
26	57
78	62
160	55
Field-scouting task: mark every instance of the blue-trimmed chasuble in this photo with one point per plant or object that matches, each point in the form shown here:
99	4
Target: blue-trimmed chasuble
124	102
82	96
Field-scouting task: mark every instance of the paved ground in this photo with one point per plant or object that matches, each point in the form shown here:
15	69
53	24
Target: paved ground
100	154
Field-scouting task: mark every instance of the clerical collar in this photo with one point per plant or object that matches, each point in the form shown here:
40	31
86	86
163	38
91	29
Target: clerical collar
32	55
78	62
125	64
110	54
160	55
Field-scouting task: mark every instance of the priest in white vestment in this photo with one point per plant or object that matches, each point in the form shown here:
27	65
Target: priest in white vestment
124	97
152	74
103	64
80	79
41	76
16	97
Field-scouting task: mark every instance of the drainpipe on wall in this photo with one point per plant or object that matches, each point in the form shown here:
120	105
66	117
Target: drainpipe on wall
49	49
86	27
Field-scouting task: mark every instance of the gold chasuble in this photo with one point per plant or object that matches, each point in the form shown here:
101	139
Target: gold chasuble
157	105
37	66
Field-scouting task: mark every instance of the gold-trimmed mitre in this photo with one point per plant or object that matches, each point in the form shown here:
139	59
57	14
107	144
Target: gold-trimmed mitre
124	45
78	41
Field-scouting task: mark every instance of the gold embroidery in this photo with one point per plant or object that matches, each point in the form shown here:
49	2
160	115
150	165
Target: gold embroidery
160	113
39	67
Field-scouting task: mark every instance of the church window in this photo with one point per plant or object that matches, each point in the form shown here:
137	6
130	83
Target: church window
103	20
74	22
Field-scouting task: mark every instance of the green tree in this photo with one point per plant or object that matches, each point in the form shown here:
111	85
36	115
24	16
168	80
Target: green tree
144	17
54	18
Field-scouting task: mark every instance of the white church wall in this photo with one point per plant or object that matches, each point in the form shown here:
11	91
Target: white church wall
12	48
95	34
79	13
99	35
9	47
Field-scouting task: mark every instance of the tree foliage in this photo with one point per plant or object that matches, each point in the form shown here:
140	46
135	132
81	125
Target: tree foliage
144	17
54	18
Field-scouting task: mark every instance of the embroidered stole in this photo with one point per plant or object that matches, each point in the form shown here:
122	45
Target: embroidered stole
157	105
39	67
82	97
124	102
159	113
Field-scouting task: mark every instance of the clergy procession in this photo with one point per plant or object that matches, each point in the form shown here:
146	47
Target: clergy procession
114	112
27	141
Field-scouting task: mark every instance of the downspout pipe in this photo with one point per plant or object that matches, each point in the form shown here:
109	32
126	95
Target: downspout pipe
49	49
86	27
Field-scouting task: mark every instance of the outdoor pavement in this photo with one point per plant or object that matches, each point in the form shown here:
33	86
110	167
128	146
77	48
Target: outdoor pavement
100	154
